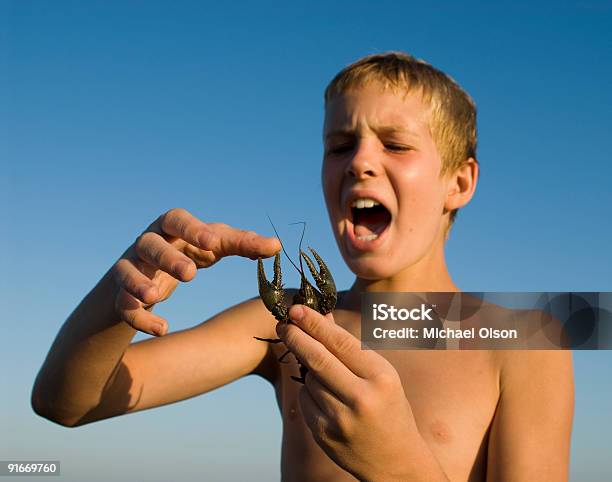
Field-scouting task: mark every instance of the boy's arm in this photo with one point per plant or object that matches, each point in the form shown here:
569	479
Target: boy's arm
530	434
93	372
184	364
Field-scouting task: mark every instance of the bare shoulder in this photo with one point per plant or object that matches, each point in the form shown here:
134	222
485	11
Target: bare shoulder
531	368
535	373
516	362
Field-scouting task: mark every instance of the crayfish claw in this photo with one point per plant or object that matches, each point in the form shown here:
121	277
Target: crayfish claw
263	282
272	294
325	281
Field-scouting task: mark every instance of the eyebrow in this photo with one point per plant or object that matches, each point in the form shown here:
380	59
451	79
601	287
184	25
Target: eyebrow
379	130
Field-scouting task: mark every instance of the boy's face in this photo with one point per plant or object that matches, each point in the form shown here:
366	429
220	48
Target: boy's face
378	147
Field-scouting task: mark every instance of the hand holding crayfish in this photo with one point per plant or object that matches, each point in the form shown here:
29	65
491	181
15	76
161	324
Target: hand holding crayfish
354	403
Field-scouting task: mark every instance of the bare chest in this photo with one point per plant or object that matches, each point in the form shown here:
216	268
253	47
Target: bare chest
453	395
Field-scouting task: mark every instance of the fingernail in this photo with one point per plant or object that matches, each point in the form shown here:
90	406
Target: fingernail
148	291
204	239
157	329
183	268
297	313
281	328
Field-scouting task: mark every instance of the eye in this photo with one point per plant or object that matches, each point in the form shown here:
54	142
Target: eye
397	147
340	149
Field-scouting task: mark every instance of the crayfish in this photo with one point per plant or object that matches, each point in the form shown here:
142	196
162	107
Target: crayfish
322	300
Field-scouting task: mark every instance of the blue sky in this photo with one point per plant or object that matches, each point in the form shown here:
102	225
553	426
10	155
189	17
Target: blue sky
114	112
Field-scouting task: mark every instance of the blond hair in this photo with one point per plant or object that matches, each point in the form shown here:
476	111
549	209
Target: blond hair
452	117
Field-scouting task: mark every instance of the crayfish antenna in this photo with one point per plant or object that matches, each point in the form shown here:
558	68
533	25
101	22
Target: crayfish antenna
300	248
282	245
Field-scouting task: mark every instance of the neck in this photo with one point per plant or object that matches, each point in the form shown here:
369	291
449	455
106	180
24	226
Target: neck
430	273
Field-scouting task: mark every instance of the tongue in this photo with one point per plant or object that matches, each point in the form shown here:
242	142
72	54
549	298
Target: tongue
371	223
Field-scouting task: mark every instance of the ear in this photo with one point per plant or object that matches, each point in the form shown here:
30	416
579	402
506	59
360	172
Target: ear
461	185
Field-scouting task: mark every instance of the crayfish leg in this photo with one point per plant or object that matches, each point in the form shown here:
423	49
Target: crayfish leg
280	360
269	340
302	377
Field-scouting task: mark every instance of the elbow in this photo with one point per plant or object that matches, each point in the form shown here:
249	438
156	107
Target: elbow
43	408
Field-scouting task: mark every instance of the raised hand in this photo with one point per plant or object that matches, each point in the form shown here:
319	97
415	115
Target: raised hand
170	250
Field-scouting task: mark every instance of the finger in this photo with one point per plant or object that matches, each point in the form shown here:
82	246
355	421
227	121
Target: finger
340	380
342	344
180	223
219	238
237	242
156	251
133	313
134	281
329	404
315	418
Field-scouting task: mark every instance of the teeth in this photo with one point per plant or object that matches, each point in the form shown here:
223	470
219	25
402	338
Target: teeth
369	237
365	202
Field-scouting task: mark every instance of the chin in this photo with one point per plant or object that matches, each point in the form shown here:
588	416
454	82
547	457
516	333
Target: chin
372	267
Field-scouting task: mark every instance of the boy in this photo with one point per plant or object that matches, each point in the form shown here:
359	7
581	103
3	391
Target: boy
400	144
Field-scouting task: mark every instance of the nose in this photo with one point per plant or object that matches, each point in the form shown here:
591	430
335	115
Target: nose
363	164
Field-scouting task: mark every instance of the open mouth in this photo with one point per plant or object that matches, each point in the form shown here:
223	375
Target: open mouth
370	219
